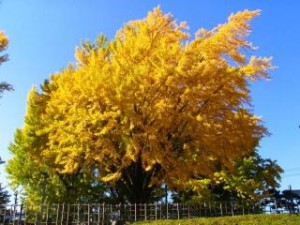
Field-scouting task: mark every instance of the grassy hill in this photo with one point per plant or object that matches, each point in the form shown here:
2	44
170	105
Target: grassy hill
278	219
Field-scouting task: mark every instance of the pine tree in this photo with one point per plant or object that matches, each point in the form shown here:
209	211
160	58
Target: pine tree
4	197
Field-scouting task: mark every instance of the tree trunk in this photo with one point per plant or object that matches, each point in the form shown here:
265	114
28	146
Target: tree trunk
135	184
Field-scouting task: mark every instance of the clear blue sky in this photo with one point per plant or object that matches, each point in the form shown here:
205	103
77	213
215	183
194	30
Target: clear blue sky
43	35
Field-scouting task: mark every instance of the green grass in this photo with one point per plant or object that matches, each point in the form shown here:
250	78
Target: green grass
278	219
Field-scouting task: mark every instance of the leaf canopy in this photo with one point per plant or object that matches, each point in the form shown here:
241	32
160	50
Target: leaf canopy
153	105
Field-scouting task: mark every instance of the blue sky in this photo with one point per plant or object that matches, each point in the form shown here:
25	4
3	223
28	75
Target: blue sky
43	35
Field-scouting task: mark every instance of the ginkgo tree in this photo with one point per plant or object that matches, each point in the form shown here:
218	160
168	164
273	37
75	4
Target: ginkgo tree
252	179
38	178
153	107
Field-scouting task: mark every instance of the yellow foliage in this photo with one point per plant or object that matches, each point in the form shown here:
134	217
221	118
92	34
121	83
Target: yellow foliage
3	58
155	96
3	41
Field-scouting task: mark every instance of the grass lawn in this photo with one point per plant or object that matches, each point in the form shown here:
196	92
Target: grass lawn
278	219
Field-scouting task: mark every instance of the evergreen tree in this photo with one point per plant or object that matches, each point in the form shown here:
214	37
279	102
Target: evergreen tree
4	196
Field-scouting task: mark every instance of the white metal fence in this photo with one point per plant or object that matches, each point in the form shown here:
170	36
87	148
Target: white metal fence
103	214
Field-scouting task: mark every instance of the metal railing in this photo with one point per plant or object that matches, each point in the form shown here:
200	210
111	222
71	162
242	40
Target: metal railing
103	214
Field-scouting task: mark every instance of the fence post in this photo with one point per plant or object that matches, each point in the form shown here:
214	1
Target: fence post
99	209
78	214
14	218
68	214
134	212
178	214
24	208
124	212
36	218
62	214
47	214
145	209
20	215
167	210
160	210
243	208
88	214
221	209
57	214
103	213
